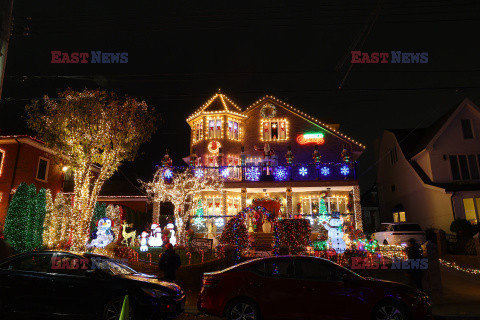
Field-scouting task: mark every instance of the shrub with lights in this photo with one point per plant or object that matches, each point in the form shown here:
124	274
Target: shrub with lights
291	233
234	234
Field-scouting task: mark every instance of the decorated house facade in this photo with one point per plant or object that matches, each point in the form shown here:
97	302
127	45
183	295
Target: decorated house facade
275	156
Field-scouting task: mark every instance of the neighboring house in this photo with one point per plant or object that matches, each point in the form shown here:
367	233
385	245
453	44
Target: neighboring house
431	175
26	159
370	214
235	142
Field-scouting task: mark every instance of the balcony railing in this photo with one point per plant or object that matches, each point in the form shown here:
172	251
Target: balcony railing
294	172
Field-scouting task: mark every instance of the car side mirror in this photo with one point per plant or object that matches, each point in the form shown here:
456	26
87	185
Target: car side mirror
346	277
91	273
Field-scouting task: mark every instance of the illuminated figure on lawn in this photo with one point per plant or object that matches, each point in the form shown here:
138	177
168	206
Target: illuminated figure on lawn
104	234
143	241
173	239
335	233
155	239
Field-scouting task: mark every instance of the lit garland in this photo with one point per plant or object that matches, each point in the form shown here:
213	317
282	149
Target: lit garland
292	233
453	265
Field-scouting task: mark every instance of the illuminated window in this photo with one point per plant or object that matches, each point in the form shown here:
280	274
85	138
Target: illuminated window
1	197
399	216
469	207
214	206
42	169
198	131
274	129
233	130
214	128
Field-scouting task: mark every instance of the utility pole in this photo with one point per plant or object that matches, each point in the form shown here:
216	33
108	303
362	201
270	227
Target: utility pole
6	7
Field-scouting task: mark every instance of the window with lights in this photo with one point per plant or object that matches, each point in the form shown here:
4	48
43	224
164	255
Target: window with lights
274	129
198	131
214	206
233	129
214	128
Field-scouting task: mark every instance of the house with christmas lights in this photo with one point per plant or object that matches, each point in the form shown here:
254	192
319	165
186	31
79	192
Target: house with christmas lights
276	156
431	175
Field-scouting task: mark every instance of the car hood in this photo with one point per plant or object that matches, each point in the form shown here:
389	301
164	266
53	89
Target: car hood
148	278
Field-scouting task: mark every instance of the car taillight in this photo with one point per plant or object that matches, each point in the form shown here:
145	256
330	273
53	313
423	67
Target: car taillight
209	281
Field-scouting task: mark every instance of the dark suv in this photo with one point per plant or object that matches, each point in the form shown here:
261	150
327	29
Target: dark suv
50	283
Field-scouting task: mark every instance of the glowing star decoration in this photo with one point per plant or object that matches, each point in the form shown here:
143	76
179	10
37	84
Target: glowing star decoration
143	241
345	170
325	171
225	173
104	234
219	222
155	239
280	173
335	233
303	171
168	174
199	173
316	138
252	174
214	146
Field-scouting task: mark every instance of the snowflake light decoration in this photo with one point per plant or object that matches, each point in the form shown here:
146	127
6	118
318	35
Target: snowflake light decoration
252	174
225	173
219	222
303	171
168	174
345	170
280	173
199	173
325	171
198	222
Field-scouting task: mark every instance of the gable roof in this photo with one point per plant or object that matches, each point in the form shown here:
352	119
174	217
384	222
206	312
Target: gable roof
413	141
303	115
218	103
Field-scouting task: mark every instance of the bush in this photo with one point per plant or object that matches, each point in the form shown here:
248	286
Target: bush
292	233
462	227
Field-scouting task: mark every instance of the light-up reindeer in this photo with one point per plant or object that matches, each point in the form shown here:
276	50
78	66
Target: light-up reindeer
128	235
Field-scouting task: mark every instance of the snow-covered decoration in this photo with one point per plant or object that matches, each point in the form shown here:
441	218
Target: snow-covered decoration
252	174
143	241
345	170
303	171
325	171
155	239
104	234
335	233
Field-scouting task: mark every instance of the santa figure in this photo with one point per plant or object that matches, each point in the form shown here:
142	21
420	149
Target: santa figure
268	153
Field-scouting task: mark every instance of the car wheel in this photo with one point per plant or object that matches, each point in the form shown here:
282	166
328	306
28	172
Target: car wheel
390	310
113	308
242	309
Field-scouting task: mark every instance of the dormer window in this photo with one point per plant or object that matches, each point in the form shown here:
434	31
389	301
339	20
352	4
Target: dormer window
274	129
214	128
467	129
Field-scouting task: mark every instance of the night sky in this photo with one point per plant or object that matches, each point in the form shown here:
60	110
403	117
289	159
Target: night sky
181	52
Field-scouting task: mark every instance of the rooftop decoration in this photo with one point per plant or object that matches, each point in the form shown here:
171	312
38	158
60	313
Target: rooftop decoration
219	99
268	111
306	138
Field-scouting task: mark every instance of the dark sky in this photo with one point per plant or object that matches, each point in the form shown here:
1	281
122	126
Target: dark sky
181	52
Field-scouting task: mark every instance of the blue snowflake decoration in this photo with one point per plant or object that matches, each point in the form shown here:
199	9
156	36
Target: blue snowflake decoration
252	174
225	173
167	174
199	173
280	173
303	171
325	171
345	170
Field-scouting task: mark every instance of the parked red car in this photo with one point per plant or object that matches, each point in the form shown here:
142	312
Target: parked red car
301	287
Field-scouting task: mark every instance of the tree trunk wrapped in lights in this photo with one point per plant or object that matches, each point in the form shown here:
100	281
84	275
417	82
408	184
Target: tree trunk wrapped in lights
180	190
93	132
48	225
39	218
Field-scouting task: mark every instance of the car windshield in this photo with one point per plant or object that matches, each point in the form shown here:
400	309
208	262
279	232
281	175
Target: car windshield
407	227
110	266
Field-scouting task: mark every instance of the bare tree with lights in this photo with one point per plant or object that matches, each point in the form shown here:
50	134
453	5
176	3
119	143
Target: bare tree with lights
86	129
181	190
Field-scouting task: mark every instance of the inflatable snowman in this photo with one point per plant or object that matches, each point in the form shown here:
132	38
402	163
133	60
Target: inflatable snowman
173	239
155	239
104	234
143	241
335	233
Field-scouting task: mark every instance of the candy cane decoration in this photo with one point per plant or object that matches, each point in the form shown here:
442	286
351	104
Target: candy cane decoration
201	251
149	255
189	254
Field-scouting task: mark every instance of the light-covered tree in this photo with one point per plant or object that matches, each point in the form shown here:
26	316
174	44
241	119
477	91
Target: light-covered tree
181	191
48	223
86	129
